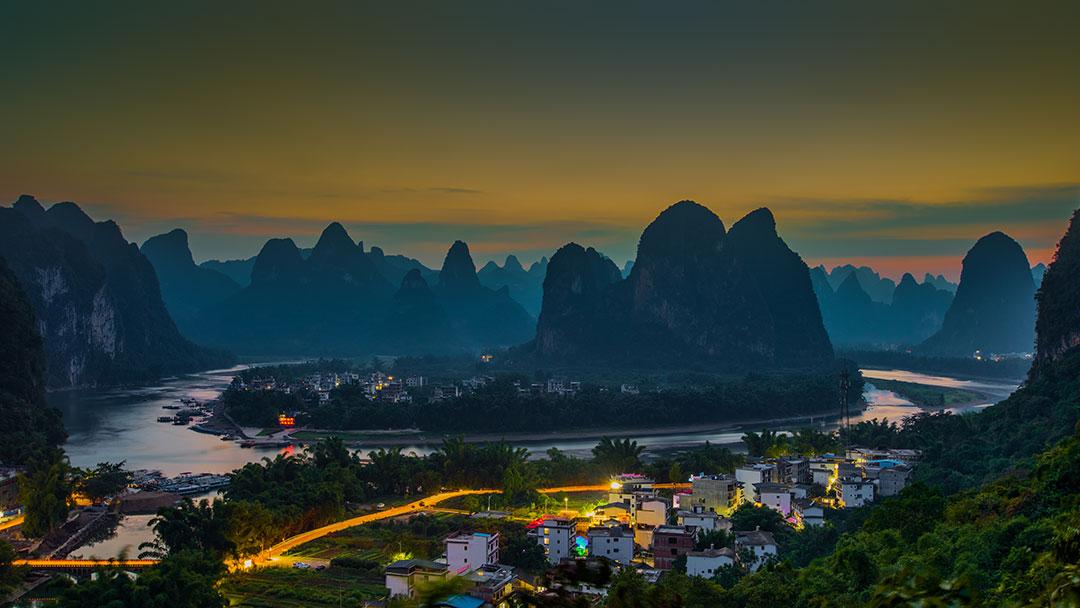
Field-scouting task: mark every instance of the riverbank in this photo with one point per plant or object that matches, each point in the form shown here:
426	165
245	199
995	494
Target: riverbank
388	438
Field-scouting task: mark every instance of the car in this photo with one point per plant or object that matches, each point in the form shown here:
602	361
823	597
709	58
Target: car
321	567
301	566
381	505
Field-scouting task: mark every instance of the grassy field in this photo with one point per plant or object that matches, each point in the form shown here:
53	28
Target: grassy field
289	588
930	397
420	537
578	502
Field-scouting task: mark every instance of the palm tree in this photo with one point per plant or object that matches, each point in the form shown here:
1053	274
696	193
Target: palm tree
615	456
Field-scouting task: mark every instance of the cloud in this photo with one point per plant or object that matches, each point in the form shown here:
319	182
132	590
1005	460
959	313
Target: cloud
1035	215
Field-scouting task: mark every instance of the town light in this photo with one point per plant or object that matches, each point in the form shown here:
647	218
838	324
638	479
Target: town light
615	485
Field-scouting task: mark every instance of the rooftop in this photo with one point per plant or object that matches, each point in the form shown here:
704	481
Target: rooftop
612	531
755	538
408	566
721	552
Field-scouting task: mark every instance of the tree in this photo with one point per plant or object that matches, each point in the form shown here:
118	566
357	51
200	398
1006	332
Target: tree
615	456
107	479
201	527
519	486
45	492
10	576
186	579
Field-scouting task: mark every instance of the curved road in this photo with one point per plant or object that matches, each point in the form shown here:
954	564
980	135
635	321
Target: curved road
305	537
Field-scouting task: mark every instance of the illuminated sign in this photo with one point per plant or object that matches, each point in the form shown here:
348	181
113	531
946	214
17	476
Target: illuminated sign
581	546
284	420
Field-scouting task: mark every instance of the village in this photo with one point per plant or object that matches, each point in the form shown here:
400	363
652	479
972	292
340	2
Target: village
659	528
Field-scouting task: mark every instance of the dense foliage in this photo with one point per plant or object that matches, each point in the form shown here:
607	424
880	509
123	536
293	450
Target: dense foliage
499	406
1006	369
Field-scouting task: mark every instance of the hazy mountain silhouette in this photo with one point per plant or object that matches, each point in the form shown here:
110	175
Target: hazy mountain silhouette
339	301
879	288
185	287
940	282
994	307
525	286
96	298
237	270
482	316
1038	271
695	292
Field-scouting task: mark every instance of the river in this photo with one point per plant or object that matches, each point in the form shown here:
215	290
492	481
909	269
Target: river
121	424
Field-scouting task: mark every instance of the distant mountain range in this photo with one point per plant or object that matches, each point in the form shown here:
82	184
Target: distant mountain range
109	311
913	312
525	286
96	298
696	296
342	300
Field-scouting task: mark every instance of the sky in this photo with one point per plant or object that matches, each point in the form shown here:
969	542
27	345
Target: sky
887	133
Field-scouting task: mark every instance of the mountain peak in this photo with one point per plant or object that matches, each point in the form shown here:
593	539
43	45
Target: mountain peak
168	250
994	307
907	280
334	239
512	263
458	269
29	206
278	258
413	281
760	221
683	229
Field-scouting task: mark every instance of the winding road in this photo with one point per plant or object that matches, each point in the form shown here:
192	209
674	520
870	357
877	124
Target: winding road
305	537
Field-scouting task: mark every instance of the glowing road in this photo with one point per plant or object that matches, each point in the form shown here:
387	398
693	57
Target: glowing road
305	537
11	523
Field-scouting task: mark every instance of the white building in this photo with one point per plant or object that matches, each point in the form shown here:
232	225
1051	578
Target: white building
822	471
704	521
708	562
761	544
750	475
809	512
854	492
616	543
404	575
651	511
776	496
466	552
557	537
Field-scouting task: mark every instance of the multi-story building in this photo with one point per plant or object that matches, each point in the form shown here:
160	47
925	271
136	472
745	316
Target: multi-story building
556	535
670	542
854	492
893	479
615	543
716	493
708	562
491	584
704	521
466	552
776	496
752	474
651	510
761	545
809	512
404	575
